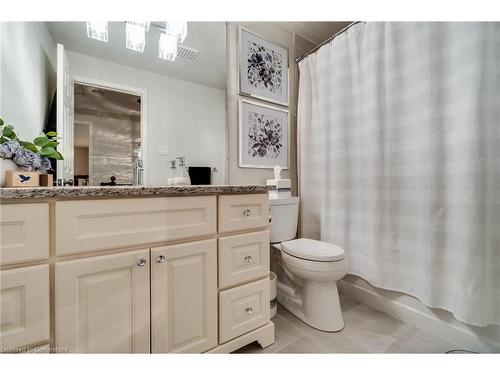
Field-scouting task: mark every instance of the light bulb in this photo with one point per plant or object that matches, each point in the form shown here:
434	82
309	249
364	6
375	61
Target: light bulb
97	30
167	47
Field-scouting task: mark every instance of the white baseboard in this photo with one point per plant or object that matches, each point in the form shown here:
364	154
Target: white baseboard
411	311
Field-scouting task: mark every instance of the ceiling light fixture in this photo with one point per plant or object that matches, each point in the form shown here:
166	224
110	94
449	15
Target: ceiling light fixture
177	29
97	30
167	47
171	35
135	33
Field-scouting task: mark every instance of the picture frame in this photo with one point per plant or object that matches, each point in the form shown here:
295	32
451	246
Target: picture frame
263	135
263	68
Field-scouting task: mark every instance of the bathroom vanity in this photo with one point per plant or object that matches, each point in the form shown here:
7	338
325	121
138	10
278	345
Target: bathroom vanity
135	269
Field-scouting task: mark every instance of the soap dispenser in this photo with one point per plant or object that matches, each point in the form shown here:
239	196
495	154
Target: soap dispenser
181	176
171	176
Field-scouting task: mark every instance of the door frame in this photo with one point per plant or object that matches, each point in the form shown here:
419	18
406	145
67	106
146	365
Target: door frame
142	93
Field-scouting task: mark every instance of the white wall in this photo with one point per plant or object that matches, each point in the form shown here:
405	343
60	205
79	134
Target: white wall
28	75
296	47
187	118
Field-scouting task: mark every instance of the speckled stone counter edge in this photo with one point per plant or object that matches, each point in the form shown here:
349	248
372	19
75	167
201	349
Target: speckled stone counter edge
90	192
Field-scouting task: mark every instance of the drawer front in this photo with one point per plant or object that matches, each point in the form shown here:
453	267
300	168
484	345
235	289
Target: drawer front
24	232
83	226
243	309
243	258
24	306
242	212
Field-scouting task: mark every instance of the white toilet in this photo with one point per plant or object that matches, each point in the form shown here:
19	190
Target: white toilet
310	269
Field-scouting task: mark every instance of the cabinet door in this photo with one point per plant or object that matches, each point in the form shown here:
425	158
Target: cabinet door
24	306
184	297
102	304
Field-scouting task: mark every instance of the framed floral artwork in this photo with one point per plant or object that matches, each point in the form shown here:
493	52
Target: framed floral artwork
264	133
263	68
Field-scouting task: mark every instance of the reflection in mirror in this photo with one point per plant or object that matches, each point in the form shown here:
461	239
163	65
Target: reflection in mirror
134	112
107	136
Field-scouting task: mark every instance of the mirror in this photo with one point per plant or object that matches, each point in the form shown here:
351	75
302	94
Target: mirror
123	114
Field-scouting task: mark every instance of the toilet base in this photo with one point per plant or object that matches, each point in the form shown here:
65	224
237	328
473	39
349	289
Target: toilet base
318	306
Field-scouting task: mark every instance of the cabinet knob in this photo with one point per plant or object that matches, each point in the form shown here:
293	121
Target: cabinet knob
248	259
141	262
160	258
247	212
249	310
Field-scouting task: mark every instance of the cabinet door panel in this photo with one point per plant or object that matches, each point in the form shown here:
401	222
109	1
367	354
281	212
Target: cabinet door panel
102	304
93	225
243	258
24	306
24	232
243	212
184	297
243	309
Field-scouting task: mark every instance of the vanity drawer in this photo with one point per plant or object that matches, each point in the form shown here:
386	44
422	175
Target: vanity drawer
242	212
24	306
24	232
243	258
243	309
83	226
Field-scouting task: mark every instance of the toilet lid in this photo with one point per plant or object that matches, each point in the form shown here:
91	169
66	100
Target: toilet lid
308	249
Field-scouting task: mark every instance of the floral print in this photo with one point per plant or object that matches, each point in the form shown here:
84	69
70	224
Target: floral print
27	160
265	136
264	68
8	149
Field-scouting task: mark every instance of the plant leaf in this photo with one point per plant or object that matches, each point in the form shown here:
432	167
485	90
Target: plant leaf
46	151
41	141
29	146
1	121
55	155
52	134
8	132
52	144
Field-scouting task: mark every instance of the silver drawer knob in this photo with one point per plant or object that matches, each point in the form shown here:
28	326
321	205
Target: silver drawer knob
141	262
248	259
247	212
249	310
160	258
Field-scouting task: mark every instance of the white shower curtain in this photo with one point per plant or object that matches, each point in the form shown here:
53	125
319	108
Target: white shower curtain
399	159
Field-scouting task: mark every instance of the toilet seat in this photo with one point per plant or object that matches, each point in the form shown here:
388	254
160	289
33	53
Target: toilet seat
313	250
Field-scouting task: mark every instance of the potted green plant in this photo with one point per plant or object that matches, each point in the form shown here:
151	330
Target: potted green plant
16	154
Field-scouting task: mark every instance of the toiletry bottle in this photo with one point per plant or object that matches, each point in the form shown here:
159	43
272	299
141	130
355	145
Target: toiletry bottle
181	176
171	176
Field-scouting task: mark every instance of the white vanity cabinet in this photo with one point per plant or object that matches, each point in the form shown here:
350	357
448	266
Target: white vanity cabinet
181	274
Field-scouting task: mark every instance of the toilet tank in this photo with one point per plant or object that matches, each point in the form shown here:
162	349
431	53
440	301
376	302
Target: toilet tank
285	214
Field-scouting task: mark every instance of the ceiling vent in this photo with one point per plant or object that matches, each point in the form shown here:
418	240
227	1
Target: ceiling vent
187	53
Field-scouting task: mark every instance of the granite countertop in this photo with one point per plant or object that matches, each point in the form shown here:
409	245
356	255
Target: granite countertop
91	192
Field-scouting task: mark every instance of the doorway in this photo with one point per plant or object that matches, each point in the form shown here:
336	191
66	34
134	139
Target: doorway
108	145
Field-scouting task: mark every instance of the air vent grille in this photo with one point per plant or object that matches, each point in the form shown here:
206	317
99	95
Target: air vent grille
187	53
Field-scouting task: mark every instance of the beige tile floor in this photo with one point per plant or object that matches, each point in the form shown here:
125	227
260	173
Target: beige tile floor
366	331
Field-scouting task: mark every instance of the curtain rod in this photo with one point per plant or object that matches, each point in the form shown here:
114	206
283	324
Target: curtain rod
300	58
